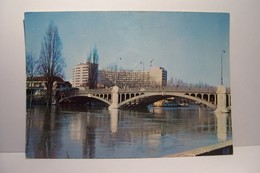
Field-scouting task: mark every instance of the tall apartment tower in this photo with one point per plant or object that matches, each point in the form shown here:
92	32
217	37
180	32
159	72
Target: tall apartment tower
85	75
158	76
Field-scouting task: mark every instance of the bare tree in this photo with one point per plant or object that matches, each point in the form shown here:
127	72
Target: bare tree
31	64
51	61
170	82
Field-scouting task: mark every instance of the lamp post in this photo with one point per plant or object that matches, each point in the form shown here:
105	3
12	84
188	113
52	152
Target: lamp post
141	62
118	71
120	59
221	91
222	53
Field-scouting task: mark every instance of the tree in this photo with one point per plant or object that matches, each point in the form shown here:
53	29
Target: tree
51	61
30	72
30	65
170	82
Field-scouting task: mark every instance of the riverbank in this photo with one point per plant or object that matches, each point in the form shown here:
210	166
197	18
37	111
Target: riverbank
216	149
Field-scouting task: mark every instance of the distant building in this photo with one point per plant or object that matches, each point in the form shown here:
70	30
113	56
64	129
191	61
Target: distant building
123	79
155	77
158	76
85	75
37	84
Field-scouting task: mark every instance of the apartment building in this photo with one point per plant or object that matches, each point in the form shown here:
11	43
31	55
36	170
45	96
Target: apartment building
155	77
122	79
85	75
158	76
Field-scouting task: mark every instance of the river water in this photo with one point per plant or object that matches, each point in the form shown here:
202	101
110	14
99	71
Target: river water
96	132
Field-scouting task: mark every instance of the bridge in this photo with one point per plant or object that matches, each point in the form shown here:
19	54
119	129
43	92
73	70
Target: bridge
218	98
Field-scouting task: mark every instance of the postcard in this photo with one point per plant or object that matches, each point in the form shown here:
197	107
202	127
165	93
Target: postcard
127	84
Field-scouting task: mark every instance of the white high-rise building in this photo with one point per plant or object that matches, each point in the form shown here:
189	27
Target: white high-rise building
80	75
158	76
85	75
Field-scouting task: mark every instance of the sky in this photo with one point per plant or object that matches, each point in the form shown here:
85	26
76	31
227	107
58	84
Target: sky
189	45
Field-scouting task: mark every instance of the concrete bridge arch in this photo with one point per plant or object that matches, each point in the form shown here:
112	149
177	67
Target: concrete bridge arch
153	97
87	96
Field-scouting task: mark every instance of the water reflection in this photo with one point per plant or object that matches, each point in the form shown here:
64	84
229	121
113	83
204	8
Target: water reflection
89	138
90	132
113	120
221	126
45	126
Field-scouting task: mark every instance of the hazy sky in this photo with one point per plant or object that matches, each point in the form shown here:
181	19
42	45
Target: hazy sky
187	45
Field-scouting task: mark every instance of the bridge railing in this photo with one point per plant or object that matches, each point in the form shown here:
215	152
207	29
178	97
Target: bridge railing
149	89
90	91
170	89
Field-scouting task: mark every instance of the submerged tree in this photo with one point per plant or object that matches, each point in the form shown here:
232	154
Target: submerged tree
51	61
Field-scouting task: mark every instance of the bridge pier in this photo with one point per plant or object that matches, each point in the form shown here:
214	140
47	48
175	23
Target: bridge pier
221	97
114	98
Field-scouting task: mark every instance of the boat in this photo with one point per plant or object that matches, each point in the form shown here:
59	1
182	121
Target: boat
170	103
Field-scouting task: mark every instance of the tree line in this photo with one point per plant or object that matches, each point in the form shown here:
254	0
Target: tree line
176	82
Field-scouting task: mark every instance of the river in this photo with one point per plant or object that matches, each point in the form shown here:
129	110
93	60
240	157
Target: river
96	132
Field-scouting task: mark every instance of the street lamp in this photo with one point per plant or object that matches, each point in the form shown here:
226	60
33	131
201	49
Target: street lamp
141	62
120	59
222	53
117	81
